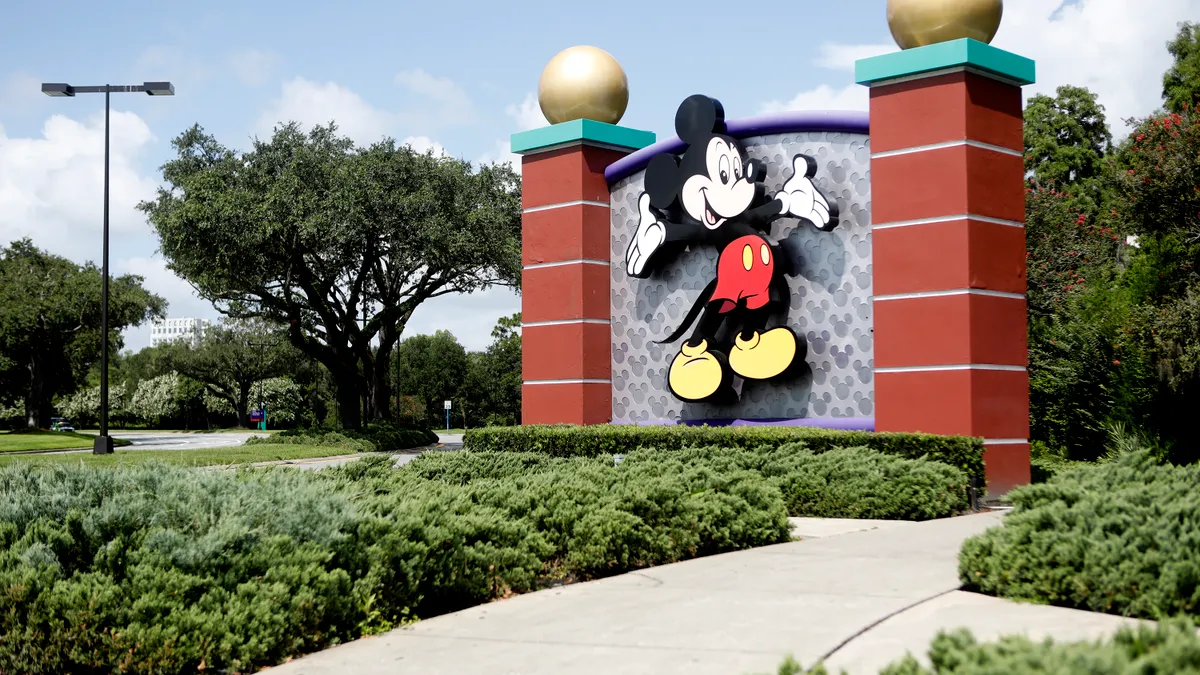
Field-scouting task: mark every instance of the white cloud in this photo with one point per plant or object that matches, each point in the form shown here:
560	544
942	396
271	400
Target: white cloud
182	301
20	92
1116	48
843	57
253	66
51	188
162	62
439	100
470	317
528	114
823	97
424	143
311	103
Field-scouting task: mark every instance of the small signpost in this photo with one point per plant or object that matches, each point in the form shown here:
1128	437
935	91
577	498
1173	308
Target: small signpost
259	418
447	406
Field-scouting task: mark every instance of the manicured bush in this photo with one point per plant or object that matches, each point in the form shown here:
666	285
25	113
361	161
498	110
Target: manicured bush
1121	537
381	437
839	483
154	569
330	438
1170	647
387	438
587	441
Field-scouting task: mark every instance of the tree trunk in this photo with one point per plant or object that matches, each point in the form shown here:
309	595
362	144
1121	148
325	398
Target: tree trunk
381	390
37	401
243	405
349	400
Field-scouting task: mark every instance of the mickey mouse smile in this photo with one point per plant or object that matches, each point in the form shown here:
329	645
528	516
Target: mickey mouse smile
711	217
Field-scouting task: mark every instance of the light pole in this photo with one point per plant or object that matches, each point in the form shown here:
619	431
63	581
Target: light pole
104	444
262	403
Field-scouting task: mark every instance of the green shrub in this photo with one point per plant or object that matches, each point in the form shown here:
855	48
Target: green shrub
1170	647
388	438
330	438
1120	537
155	569
589	441
381	437
839	483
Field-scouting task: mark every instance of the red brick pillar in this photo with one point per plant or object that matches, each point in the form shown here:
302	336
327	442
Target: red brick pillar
948	240
566	337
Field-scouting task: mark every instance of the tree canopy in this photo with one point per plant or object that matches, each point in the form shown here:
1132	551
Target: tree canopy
1181	83
340	244
1066	136
50	313
230	359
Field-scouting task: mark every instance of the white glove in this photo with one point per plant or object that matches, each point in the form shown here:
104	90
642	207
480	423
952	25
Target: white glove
800	197
649	236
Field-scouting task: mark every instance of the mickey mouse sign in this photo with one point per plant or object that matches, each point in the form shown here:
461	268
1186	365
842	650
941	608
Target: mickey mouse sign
712	194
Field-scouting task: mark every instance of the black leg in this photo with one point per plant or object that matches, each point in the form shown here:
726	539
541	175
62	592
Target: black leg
707	326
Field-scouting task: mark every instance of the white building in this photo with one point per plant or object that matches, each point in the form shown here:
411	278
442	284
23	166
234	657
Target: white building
169	330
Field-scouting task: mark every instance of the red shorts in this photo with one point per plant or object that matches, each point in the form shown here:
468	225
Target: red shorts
744	273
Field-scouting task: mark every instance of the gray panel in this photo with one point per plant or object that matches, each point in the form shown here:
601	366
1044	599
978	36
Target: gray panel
831	297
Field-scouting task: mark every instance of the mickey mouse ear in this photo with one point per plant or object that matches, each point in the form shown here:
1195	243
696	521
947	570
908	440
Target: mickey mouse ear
662	180
698	117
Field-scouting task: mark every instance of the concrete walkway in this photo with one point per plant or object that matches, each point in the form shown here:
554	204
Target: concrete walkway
857	593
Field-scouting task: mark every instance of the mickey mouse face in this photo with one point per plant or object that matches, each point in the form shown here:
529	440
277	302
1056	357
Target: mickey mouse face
720	189
711	182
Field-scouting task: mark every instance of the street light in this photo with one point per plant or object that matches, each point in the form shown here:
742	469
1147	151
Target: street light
104	444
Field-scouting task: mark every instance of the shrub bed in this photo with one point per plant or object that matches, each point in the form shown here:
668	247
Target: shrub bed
331	438
585	441
382	438
154	569
1168	647
1120	537
840	483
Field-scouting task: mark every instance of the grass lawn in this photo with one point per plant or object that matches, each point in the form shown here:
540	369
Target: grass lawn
245	454
181	431
46	440
452	431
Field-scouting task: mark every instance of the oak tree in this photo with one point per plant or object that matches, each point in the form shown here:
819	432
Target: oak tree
338	243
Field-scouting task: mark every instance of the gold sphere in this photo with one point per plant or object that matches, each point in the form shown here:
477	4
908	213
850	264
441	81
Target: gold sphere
917	23
583	82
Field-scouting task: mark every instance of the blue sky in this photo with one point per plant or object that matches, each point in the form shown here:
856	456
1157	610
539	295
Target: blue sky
454	75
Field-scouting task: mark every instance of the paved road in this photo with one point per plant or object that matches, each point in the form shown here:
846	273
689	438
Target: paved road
157	440
858	598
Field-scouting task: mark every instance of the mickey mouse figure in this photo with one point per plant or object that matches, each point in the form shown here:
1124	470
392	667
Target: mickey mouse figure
712	194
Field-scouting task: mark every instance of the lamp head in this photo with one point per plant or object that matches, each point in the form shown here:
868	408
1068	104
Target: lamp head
159	88
57	89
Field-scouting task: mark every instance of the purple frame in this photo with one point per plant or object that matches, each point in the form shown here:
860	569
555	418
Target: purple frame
836	121
838	423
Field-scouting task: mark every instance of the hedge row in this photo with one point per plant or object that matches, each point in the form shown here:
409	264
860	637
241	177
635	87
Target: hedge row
331	438
1169	647
383	438
156	569
841	483
1120	537
588	441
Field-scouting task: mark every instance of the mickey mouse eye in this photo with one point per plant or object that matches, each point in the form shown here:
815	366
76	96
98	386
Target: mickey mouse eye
723	166
737	171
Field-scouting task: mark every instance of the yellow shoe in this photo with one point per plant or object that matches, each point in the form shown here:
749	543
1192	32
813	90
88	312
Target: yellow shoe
696	373
764	355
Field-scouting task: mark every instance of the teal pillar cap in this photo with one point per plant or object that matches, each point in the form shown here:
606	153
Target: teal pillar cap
957	54
579	131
